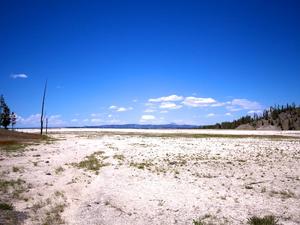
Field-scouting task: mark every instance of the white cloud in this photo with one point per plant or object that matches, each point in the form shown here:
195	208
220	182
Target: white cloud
123	109
120	109
95	114
149	110
233	108
149	104
228	114
19	75
210	115
171	98
34	121
110	116
96	120
169	105
85	120
147	118
198	102
74	120
246	104
114	121
255	111
164	111
219	104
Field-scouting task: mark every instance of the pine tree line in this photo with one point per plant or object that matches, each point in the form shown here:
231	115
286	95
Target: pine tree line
269	116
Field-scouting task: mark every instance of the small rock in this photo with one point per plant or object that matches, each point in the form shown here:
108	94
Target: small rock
49	174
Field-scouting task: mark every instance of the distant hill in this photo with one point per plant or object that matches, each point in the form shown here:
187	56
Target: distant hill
275	118
146	126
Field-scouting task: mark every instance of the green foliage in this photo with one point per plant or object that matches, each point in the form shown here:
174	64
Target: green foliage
266	220
271	115
5	118
5	206
92	162
198	222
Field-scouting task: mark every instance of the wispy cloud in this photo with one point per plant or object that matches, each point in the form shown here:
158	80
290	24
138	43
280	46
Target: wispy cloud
147	118
198	102
171	98
34	120
96	114
210	115
120	109
96	120
149	110
19	75
169	105
246	104
255	111
164	111
113	107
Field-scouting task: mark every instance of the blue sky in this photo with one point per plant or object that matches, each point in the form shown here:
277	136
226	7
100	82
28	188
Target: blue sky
193	62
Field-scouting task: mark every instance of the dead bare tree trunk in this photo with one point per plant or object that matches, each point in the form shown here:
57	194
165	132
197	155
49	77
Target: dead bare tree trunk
46	125
43	106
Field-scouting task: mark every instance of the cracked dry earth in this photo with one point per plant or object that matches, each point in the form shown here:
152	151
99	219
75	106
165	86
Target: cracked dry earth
94	177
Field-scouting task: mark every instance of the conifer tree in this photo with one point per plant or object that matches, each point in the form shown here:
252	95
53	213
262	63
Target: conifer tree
5	113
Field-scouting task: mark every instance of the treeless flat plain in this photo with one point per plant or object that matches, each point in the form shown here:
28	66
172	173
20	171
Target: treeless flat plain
96	176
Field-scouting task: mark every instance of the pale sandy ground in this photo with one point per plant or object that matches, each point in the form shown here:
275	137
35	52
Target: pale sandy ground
226	180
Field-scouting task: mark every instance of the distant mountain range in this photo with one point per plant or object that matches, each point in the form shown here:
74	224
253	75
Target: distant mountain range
145	126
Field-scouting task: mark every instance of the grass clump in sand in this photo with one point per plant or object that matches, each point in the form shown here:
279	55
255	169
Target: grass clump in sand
49	211
119	157
92	162
266	220
198	222
5	206
12	187
59	170
285	194
142	165
12	142
11	190
53	215
12	147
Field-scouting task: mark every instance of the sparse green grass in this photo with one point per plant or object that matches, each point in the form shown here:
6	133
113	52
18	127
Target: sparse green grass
206	219
266	220
284	194
10	190
59	170
12	147
141	165
16	142
92	162
190	135
13	187
198	222
119	157
53	215
5	206
16	169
